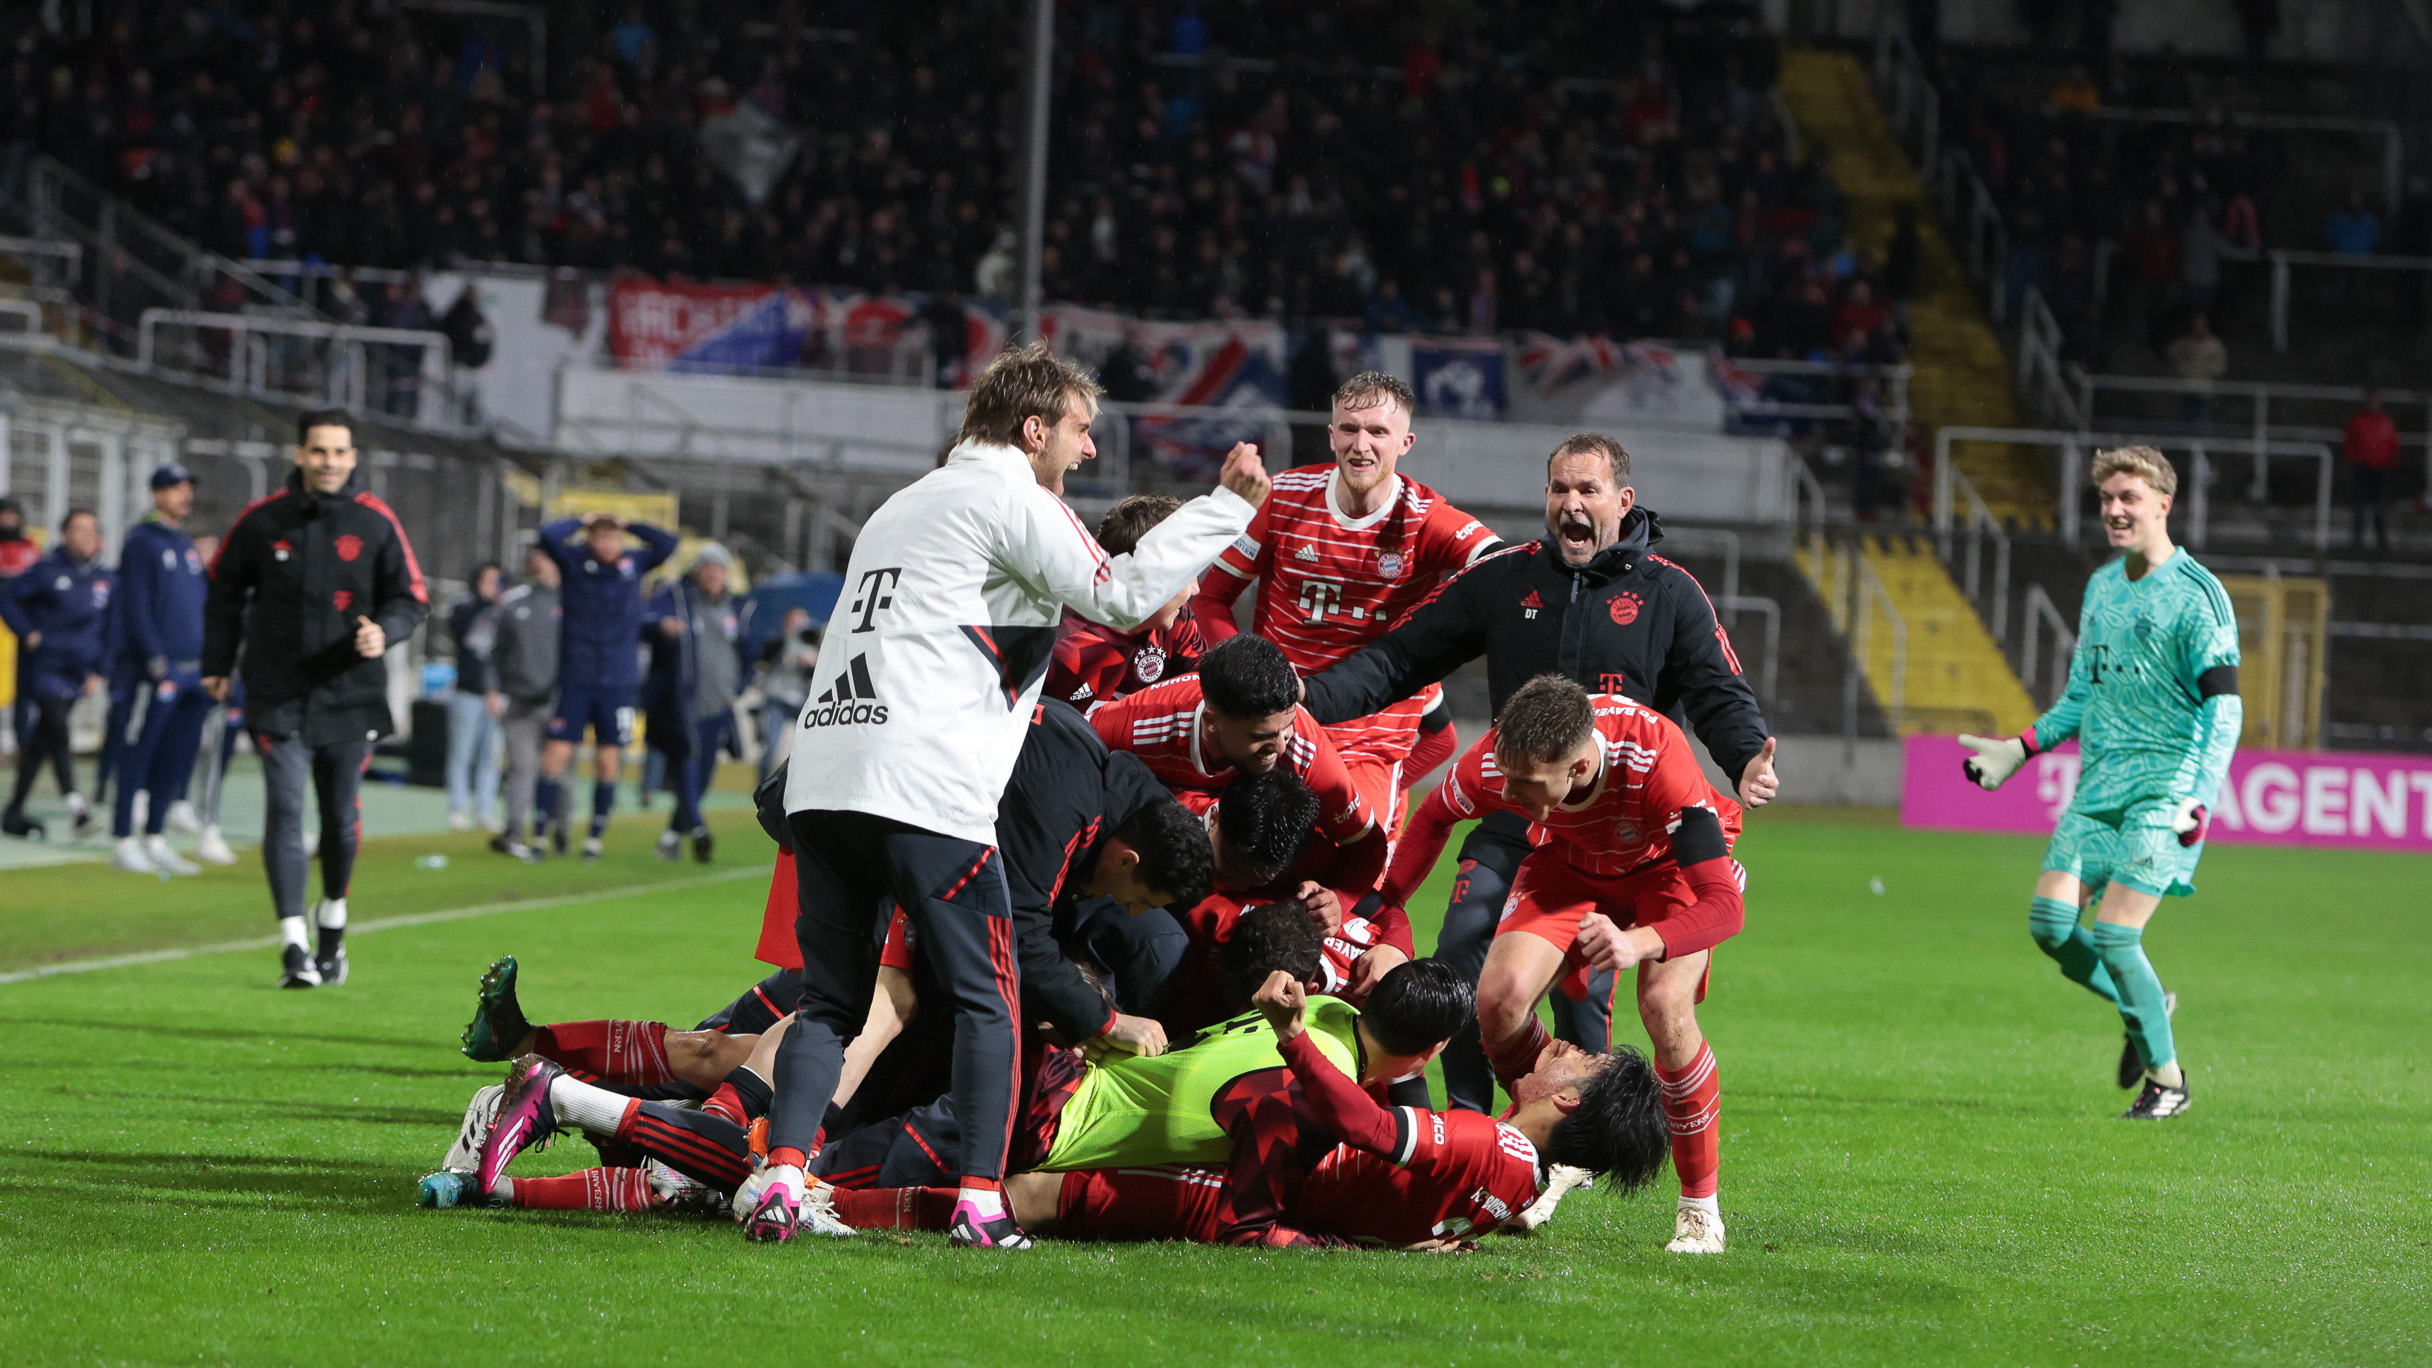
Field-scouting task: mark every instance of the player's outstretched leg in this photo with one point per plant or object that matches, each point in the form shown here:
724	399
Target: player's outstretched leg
2146	1010
453	1182
2053	923
498	1029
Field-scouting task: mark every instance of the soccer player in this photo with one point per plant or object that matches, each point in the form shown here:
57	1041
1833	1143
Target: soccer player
920	701
1314	1160
160	619
1590	600
1096	664
314	583
2153	701
1631	869
600	624
1340	554
1240	714
59	609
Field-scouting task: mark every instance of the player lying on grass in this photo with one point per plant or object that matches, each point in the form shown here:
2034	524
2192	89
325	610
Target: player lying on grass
1311	1158
2153	701
655	1149
1631	868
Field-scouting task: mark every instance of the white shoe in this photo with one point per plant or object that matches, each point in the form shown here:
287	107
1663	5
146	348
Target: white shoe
1695	1230
465	1154
460	821
670	847
212	848
817	1214
156	849
1559	1180
181	818
128	856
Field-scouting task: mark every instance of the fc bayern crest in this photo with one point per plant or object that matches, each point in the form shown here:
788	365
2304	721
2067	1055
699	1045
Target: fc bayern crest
1624	609
1390	564
348	547
1149	663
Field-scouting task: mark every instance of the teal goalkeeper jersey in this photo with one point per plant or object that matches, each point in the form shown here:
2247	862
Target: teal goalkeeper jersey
2152	694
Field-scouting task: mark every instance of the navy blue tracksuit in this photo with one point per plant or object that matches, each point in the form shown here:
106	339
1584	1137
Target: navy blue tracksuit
599	631
162	586
67	601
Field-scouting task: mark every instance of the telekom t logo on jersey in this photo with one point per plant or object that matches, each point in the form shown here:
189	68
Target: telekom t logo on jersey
877	591
1319	597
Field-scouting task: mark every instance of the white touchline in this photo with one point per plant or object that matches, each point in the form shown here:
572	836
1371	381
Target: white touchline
360	928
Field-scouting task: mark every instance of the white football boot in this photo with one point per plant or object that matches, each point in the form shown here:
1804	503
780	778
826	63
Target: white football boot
128	856
156	849
1696	1230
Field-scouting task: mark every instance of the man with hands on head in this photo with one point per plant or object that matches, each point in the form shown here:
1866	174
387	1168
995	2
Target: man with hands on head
600	624
314	581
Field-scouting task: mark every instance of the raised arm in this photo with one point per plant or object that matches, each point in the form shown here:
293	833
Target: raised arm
1046	546
553	544
1446	631
657	543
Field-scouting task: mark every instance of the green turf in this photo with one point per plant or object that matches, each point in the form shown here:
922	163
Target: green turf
1919	1165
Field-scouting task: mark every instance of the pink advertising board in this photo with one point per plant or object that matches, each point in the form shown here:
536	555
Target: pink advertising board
2314	798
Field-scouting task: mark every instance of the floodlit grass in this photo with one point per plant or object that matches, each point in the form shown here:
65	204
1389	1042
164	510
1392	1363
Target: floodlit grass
1919	1160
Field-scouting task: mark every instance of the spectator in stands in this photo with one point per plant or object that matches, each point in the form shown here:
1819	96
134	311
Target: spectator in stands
2153	259
2370	446
2199	357
2352	229
2200	248
472	731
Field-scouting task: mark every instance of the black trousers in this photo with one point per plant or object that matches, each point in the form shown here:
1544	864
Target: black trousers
335	772
1489	859
850	868
45	739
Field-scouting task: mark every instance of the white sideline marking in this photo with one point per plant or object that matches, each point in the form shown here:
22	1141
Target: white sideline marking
492	909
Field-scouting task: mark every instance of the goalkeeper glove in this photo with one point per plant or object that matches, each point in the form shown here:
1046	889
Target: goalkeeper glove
2189	818
1994	761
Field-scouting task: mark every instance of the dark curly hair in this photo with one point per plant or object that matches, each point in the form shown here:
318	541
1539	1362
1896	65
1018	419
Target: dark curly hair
1247	676
1417	1005
1175	857
1265	820
1288	935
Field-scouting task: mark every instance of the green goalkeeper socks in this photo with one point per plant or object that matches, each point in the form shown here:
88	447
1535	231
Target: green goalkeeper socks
2053	923
2142	1004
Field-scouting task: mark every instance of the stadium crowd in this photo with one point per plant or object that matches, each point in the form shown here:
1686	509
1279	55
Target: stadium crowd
1511	169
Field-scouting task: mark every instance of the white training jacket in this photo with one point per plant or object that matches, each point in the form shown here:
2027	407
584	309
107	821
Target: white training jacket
933	659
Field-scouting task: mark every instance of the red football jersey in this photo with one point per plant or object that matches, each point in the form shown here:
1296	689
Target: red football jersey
1329	583
1095	664
1627	820
1161	726
1464	1173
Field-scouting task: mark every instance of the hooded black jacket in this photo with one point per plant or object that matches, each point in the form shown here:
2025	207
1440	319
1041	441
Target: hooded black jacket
1628	622
293	574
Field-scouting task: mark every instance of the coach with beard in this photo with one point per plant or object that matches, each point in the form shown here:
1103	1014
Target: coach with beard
1589	601
315	582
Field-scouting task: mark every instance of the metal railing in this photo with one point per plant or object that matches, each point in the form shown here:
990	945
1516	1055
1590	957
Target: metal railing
2042	382
1770	679
2043	615
1894	379
2282	259
2074	443
2393	141
1854	595
2263	399
400	371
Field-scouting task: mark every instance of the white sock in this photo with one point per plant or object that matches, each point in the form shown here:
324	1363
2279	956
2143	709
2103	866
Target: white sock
584	1107
292	932
76	807
1713	1205
791	1176
2168	1075
988	1202
333	914
504	1190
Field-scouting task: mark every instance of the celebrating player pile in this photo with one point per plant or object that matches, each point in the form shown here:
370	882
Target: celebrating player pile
2153	701
986	1021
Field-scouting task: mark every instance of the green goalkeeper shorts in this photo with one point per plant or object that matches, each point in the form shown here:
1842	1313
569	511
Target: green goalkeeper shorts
2134	847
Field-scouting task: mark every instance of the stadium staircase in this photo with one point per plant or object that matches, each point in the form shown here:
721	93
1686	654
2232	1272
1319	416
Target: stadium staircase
1951	676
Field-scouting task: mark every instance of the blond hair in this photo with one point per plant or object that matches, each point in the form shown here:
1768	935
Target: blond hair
1023	383
1371	388
2144	462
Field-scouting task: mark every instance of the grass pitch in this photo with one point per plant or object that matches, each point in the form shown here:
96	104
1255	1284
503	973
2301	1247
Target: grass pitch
1919	1160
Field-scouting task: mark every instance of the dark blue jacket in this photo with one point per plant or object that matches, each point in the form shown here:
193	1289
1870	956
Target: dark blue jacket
673	695
161	588
601	604
68	601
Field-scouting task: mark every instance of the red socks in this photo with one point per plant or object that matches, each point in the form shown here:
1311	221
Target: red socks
599	1189
1693	1103
628	1052
1516	1058
910	1208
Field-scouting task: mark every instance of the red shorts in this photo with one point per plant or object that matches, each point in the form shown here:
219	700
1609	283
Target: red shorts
1168	1202
1549	898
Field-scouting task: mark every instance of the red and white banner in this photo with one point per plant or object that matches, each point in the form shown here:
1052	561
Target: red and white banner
2311	798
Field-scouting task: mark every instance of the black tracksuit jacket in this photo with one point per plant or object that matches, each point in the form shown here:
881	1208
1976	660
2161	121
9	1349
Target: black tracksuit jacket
293	574
1628	622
